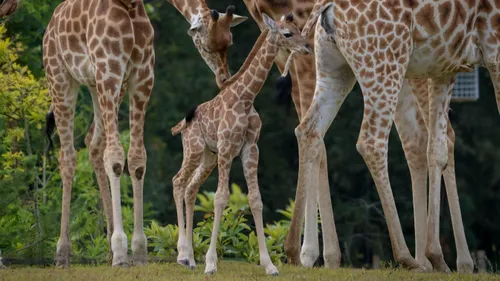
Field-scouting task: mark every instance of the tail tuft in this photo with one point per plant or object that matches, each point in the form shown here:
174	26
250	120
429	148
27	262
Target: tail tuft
284	89
184	122
50	125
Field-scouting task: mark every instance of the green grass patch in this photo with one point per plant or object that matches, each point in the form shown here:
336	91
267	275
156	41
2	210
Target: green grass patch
227	270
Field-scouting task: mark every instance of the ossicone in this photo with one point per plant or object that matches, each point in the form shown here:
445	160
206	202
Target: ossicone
214	14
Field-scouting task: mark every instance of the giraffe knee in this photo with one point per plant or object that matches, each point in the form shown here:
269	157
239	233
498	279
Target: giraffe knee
309	142
438	154
139	173
114	161
255	202
190	195
117	169
137	162
370	150
221	198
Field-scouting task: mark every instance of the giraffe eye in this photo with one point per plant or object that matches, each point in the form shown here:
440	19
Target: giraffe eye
287	35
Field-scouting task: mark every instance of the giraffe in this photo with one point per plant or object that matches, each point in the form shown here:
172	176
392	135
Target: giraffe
217	131
210	31
379	44
414	141
211	35
107	46
302	95
8	7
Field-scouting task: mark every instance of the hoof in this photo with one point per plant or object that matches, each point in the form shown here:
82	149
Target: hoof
420	269
465	268
210	272
293	257
438	263
62	262
140	260
120	262
183	262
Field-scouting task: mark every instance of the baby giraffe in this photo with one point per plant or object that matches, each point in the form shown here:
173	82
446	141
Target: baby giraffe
217	131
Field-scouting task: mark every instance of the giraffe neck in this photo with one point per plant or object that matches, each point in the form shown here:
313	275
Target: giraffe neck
190	8
256	67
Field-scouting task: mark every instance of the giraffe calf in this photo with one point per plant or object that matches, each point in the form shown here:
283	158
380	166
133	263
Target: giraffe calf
217	131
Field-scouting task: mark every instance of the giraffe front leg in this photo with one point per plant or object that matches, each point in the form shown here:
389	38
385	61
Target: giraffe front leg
209	162
220	202
250	159
437	155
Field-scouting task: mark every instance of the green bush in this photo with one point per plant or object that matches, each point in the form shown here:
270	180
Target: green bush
236	240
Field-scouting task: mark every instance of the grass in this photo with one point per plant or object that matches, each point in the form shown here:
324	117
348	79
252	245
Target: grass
226	271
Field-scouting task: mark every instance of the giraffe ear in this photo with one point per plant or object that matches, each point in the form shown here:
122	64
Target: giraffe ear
269	22
195	27
327	18
237	19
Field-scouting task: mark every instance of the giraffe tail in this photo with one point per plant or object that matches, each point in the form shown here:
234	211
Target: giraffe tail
184	122
50	125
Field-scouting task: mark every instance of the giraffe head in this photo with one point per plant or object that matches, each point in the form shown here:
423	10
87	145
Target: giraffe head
212	36
286	34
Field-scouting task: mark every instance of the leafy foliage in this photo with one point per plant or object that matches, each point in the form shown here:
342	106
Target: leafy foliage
236	238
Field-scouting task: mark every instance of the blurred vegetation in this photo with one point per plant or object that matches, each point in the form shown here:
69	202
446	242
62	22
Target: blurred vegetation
30	186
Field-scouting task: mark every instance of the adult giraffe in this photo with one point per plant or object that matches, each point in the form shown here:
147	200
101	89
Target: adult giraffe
414	141
379	44
108	46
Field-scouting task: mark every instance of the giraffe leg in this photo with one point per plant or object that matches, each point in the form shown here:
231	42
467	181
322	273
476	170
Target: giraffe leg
331	248
493	65
310	248
220	202
141	85
464	259
114	158
334	81
292	241
413	134
64	113
209	162
191	160
321	197
250	159
96	143
437	155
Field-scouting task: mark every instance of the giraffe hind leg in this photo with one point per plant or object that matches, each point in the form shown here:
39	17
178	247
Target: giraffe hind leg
412	131
95	142
192	157
464	259
140	87
64	116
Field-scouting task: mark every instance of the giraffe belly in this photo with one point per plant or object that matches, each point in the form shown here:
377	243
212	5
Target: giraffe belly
427	63
83	73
